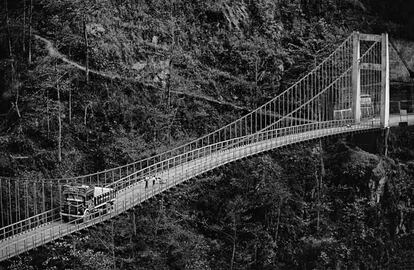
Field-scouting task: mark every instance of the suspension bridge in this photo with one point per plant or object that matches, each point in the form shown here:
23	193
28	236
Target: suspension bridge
347	92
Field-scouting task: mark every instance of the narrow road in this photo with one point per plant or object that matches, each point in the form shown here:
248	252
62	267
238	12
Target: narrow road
53	52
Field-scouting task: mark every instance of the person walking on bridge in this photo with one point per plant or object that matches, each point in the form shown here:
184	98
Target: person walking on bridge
146	182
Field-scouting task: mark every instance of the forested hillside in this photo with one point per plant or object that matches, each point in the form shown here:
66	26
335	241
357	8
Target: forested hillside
159	73
89	85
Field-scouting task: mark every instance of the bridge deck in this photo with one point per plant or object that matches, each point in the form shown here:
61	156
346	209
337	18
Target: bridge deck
135	192
395	119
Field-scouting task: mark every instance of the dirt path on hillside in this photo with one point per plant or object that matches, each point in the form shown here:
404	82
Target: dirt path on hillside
53	52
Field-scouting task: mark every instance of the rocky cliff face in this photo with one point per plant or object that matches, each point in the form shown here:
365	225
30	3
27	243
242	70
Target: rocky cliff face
401	60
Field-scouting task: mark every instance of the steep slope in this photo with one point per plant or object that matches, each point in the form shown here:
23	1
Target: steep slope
173	71
311	206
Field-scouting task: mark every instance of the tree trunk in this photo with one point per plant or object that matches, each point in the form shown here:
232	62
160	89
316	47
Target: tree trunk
320	183
161	215
60	129
86	113
74	243
134	224
256	72
168	86
113	244
16	102
387	134
170	70
9	43
11	56
24	26
279	209
70	105
30	32
256	79
107	90
233	254
85	36
47	113
318	203
59	123
8	29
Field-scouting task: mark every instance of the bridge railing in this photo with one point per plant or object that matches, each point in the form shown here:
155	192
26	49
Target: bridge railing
319	104
286	135
313	99
266	115
29	223
293	107
132	191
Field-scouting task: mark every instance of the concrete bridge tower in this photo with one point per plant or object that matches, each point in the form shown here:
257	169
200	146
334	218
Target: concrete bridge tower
383	67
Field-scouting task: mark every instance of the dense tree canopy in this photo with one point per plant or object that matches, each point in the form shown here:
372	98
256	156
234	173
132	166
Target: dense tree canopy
89	85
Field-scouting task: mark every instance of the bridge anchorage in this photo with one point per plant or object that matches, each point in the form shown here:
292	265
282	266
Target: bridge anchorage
347	92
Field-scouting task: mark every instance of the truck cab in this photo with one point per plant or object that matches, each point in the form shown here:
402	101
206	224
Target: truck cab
84	202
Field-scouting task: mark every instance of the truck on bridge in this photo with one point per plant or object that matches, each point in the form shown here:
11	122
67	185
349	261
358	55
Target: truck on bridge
81	202
367	106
